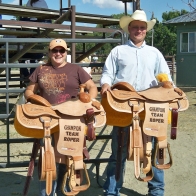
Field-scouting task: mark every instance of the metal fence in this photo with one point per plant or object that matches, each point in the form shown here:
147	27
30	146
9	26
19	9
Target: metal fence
8	91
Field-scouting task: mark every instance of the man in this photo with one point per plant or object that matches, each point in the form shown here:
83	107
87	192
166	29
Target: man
138	64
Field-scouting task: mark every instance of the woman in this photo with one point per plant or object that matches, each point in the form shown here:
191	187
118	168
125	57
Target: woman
58	81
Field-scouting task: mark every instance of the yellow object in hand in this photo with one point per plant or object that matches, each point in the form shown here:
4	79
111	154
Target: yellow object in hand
162	77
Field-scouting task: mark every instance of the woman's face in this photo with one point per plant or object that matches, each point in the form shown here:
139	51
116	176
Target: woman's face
58	56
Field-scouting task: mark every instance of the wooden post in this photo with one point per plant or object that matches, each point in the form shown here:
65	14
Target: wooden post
69	3
173	66
73	35
137	4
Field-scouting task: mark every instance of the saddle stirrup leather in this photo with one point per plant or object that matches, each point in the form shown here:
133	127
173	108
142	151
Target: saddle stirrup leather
68	177
159	154
138	146
47	170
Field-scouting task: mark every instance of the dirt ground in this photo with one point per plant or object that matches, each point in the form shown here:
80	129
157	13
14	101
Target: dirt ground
179	179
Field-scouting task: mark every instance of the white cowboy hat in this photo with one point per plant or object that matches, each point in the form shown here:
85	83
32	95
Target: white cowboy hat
137	15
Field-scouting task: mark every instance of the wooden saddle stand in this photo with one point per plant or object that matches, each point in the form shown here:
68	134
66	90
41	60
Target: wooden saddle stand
148	114
71	122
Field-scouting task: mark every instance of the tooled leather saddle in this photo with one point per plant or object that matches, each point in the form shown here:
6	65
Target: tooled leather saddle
148	114
71	122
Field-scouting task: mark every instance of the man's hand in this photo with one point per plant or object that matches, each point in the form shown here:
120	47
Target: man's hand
167	84
179	91
105	87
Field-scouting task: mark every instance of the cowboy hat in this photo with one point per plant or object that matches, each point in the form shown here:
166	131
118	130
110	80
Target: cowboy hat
137	15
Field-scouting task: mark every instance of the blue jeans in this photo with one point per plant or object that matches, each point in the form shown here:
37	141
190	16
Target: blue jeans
56	186
112	187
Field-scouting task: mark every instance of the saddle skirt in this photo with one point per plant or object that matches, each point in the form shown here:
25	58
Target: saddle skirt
28	122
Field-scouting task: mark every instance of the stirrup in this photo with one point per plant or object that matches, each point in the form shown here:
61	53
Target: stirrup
71	193
148	177
162	166
80	187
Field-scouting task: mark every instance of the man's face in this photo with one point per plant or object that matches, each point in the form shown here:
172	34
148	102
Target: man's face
137	30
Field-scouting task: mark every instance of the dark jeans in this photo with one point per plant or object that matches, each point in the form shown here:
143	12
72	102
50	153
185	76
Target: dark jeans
35	57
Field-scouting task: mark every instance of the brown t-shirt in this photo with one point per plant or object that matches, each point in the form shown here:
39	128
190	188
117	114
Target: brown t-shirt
59	84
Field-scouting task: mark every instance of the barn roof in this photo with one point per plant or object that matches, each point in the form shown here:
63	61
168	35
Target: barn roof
189	17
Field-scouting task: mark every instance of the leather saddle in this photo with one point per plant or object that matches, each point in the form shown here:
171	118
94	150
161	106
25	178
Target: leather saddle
71	122
148	114
28	116
122	96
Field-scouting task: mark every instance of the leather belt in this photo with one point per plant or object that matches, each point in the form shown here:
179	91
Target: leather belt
119	152
174	120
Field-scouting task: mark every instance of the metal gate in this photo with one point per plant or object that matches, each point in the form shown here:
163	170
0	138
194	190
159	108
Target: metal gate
9	91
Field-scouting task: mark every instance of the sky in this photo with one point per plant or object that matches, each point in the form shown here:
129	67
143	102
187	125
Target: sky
109	7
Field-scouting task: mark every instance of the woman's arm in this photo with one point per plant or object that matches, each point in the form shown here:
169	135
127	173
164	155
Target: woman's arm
31	89
92	88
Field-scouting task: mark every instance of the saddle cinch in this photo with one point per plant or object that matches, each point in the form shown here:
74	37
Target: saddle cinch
148	114
71	122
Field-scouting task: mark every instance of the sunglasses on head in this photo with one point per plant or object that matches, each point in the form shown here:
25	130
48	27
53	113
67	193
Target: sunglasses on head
60	50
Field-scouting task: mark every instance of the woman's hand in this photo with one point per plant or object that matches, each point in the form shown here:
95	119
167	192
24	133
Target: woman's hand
31	89
91	88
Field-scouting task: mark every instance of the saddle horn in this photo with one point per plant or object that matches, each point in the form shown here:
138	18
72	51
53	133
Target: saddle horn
84	97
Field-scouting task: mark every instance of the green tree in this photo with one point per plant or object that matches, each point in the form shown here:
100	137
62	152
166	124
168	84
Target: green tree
163	39
165	36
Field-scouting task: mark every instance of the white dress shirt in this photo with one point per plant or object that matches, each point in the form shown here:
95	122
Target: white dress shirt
136	65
